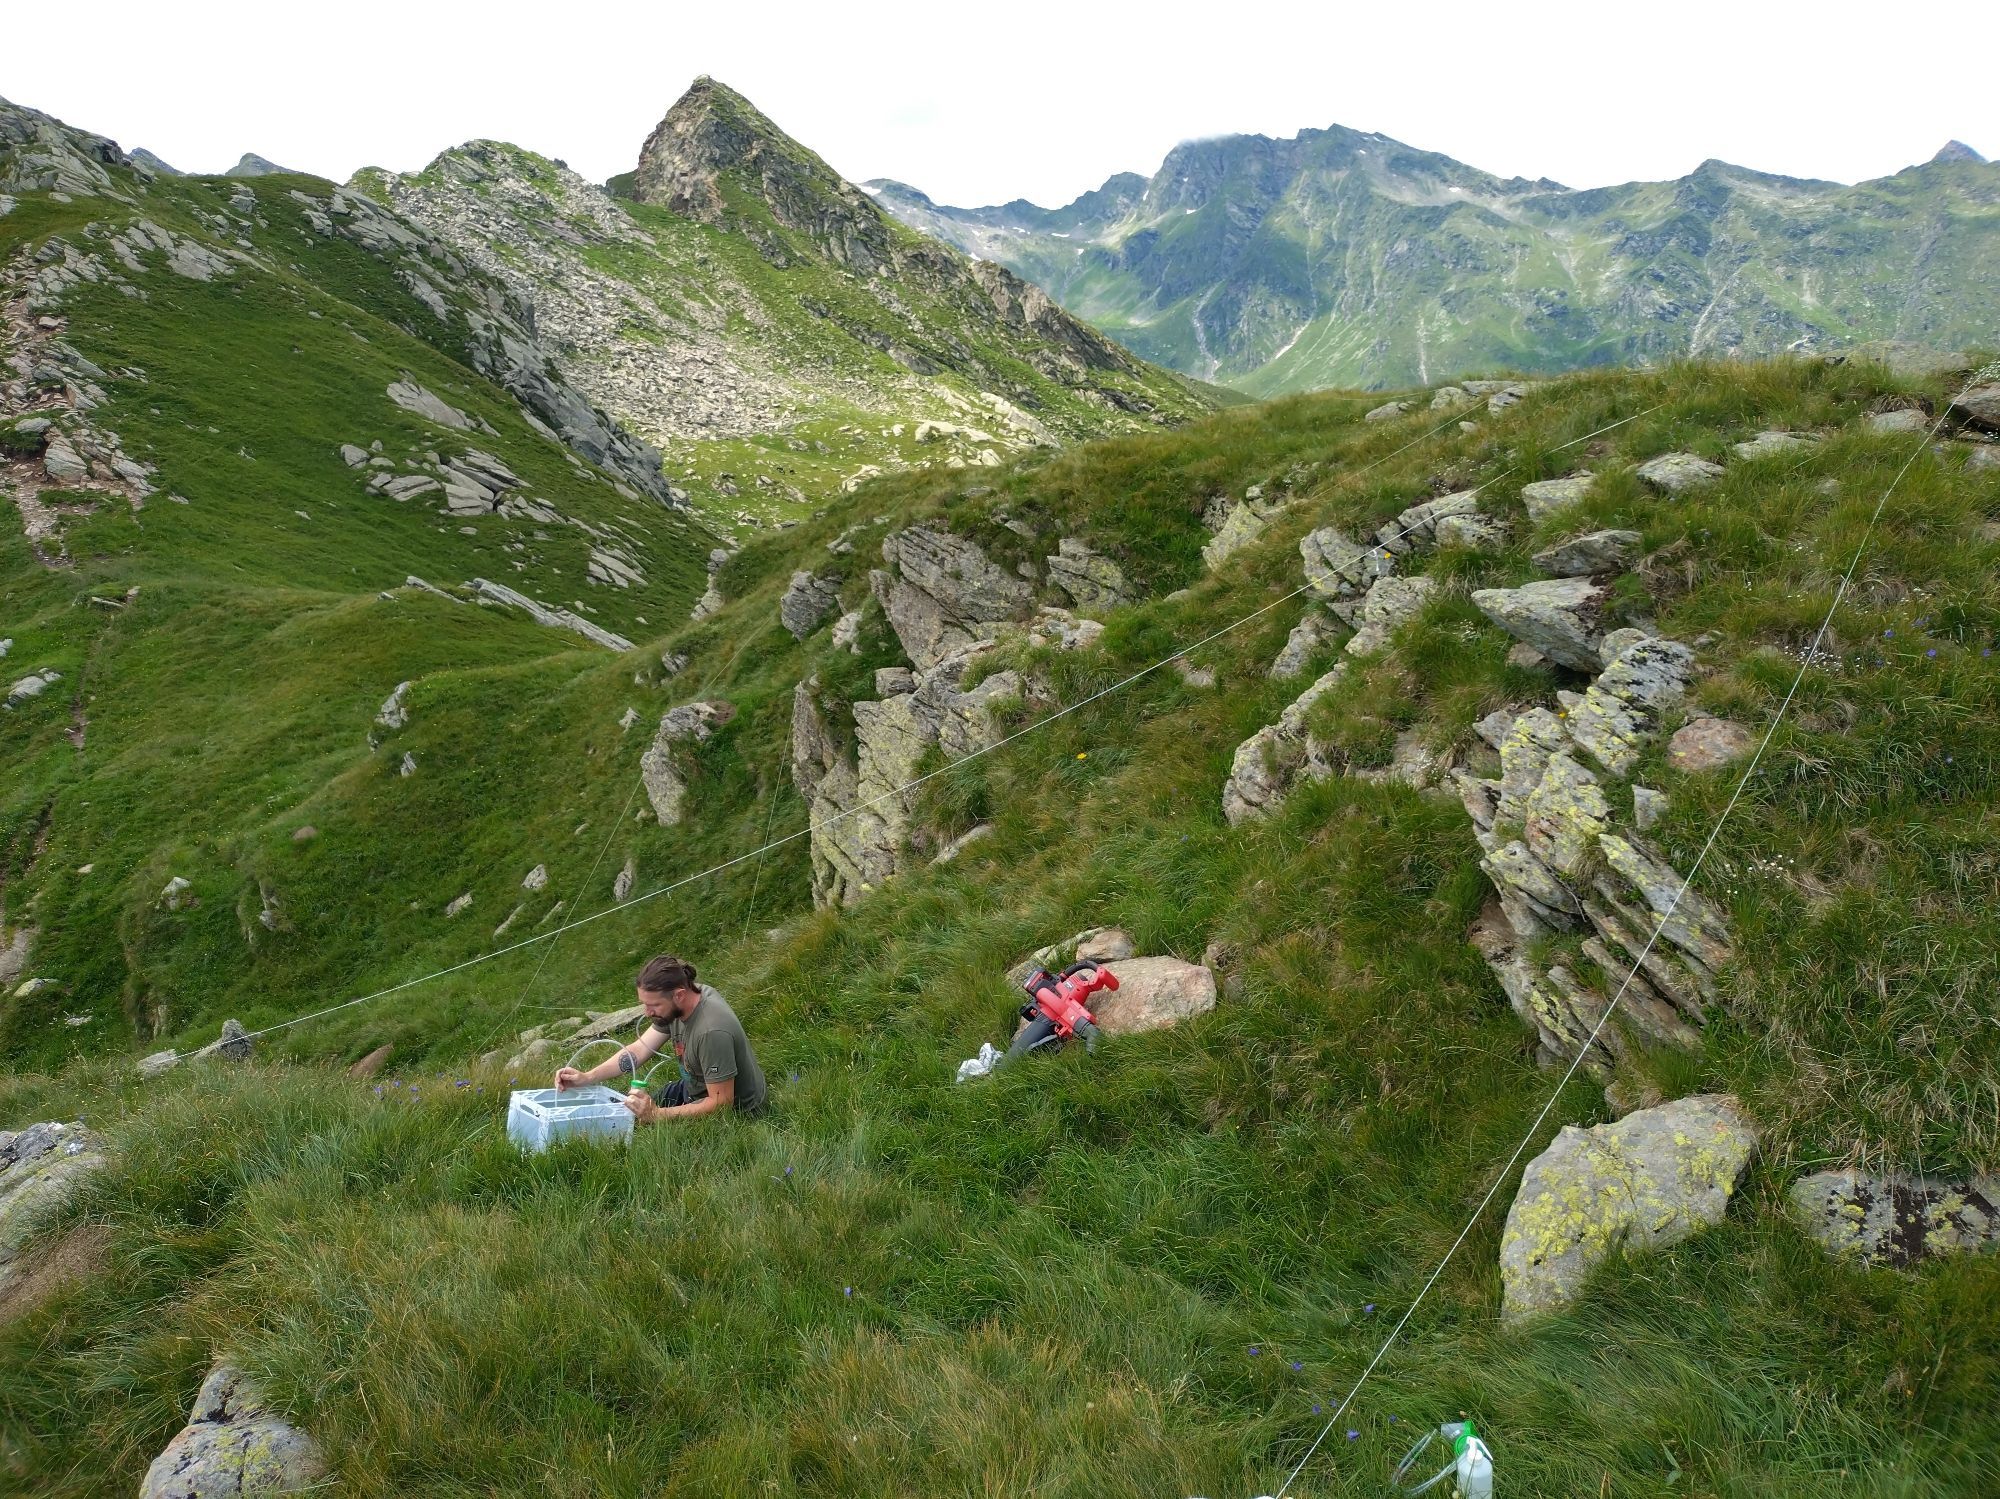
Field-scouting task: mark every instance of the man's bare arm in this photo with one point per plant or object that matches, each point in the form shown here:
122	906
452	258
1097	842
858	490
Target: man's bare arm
721	1095
627	1059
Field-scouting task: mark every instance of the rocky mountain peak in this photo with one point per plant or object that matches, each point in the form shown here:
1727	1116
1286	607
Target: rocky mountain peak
253	165
716	157
1957	151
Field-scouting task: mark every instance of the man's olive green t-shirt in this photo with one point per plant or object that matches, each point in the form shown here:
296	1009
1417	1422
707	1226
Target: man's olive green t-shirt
713	1048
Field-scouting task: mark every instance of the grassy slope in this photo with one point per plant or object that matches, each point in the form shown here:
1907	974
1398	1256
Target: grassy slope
1141	1272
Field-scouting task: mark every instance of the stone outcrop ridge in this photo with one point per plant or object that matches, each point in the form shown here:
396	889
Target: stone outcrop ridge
233	1444
544	614
1645	1182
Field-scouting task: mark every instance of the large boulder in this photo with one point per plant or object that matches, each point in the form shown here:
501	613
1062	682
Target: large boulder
1153	993
1563	618
808	600
1644	1182
233	1444
1677	474
1709	744
1897	1219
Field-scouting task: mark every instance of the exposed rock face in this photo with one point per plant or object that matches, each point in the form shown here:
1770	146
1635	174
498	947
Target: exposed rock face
1573	869
862	819
1386	412
1889	423
1152	993
693	723
1645	1182
543	614
1897	1219
945	593
945	599
1591	555
1562	618
233	1444
1238	523
808	600
1679	473
1091	581
39	1167
1341	570
394	712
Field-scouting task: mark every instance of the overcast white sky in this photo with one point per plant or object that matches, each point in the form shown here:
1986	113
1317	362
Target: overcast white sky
981	103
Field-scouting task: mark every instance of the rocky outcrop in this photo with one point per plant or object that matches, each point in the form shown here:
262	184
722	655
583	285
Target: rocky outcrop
1272	761
1897	1219
1236	524
1390	604
1643	1183
808	600
233	1444
659	767
1340	570
1090	580
1563	618
1978	406
1560	861
1307	636
543	614
944	593
39	1167
862	815
1773	445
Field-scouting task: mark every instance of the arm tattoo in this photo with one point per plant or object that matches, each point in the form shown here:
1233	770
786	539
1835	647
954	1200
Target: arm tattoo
626	1064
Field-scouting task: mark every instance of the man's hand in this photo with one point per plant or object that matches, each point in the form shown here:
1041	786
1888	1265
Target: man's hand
640	1102
567	1077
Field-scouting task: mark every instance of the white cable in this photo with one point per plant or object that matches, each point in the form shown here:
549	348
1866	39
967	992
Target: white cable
862	807
1810	656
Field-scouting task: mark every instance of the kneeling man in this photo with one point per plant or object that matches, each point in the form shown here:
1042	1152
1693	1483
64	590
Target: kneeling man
718	1069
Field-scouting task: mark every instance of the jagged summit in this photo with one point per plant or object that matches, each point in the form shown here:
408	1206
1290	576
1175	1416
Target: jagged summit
1957	151
717	158
147	161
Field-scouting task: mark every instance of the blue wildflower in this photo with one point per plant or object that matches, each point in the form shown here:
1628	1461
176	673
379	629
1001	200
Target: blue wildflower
1352	1434
847	1290
1255	1350
1296	1366
1930	653
1368	1309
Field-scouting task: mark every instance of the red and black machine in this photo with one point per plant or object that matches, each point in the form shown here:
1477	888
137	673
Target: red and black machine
1055	1010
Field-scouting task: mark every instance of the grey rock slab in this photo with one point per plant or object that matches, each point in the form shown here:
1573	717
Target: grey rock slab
1983	459
1619	714
1561	617
1590	555
1677	474
1895	1218
1387	412
414	398
1308	636
353	456
394	712
1338	567
1641	1183
1648	807
1546	496
233	1444
659	770
33	685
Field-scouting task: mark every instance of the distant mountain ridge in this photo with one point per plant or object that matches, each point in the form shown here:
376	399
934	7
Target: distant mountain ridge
1343	257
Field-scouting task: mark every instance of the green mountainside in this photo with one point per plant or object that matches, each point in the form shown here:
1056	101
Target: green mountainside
370	684
1345	258
770	329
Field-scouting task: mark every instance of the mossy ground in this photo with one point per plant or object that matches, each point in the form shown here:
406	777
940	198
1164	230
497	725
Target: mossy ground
1143	1272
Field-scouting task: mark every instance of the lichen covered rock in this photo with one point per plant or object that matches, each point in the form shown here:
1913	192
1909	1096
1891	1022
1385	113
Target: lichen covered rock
233	1444
1897	1219
1644	1182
